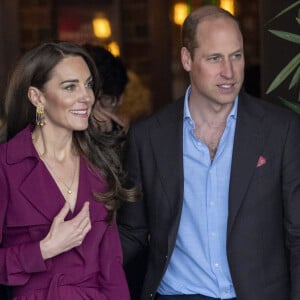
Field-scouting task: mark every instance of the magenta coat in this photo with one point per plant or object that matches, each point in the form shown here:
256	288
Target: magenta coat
29	200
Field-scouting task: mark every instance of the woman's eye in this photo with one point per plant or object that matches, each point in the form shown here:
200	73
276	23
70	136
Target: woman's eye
90	84
70	87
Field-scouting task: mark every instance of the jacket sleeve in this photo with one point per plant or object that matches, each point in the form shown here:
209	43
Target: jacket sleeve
291	194
17	262
132	218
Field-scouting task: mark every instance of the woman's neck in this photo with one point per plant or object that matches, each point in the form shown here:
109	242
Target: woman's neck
54	147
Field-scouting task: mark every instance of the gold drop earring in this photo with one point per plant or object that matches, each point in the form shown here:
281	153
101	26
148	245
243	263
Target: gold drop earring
40	115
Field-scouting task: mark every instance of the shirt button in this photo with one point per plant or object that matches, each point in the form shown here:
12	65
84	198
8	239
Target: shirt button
213	234
217	265
212	203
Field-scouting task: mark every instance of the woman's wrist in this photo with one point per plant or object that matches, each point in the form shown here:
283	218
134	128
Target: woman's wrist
45	247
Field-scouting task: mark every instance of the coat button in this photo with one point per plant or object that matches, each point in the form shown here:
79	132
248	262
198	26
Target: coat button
150	296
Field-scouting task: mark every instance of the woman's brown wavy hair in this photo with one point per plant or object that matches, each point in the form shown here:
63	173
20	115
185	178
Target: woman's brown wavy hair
102	150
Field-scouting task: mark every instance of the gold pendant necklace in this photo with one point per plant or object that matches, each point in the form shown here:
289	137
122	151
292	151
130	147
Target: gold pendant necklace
69	188
58	178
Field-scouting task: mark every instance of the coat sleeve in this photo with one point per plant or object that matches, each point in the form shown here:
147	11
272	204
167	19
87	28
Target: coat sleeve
132	217
17	262
291	196
112	277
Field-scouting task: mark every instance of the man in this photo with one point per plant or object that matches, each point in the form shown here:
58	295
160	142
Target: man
220	176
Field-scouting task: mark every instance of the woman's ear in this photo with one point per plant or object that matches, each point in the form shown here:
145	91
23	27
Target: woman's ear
35	96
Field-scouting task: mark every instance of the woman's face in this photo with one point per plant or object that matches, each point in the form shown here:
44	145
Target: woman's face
68	96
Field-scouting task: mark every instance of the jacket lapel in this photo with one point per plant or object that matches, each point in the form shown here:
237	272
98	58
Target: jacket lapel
248	146
166	142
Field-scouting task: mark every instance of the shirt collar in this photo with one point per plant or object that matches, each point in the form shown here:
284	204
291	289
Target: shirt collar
186	110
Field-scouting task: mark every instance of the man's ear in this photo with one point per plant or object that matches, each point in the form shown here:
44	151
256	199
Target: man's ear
186	59
35	96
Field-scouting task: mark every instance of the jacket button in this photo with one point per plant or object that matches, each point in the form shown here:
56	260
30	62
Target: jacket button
150	296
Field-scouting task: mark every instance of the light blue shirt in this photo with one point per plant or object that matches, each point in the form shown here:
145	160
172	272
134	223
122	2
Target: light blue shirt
199	263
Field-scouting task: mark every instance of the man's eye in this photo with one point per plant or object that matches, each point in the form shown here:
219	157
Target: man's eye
214	58
237	56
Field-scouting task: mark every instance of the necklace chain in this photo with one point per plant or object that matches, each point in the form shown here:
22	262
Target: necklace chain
69	188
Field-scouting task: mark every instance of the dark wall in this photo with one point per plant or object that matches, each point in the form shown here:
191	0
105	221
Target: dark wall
148	42
9	45
146	31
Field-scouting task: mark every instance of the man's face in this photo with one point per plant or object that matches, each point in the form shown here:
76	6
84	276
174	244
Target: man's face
217	66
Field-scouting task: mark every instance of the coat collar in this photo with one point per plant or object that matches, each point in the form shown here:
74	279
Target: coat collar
21	147
40	189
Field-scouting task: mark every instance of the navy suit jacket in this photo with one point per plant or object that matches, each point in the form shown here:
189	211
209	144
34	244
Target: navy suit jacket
263	230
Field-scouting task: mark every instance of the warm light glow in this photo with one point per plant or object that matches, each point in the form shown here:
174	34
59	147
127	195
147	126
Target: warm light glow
101	27
228	5
114	48
181	11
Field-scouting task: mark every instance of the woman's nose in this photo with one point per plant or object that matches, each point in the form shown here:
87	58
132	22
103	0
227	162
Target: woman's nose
87	95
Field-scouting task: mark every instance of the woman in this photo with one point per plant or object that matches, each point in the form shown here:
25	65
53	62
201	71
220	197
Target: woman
60	182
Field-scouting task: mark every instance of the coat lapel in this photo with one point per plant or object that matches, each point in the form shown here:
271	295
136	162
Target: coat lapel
248	146
90	183
41	191
166	142
37	187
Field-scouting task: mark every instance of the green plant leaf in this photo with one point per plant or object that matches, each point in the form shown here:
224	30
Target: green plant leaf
284	11
284	73
295	79
291	37
295	106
